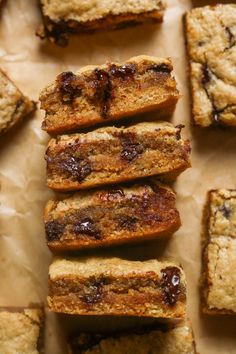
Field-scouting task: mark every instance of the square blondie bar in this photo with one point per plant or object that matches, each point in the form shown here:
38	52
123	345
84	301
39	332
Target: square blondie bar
160	339
219	258
64	18
211	46
14	106
21	330
113	286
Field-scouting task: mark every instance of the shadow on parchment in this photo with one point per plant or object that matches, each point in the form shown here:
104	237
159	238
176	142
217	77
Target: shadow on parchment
127	39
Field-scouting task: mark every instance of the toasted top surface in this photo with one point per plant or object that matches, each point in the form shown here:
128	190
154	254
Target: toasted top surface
19	330
107	133
88	10
209	30
138	60
96	266
222	218
174	341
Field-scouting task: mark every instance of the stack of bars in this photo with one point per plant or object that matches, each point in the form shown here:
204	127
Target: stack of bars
128	205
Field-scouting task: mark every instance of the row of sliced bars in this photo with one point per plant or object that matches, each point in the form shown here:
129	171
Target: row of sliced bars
124	207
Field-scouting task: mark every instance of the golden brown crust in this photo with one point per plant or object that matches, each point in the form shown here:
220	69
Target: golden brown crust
110	92
112	286
57	28
111	155
112	216
14	106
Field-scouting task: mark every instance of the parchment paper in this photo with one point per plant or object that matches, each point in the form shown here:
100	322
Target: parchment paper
24	257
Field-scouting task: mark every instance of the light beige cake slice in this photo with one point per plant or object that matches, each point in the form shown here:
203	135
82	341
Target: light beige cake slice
113	286
14	106
219	259
64	18
21	330
211	38
157	340
110	92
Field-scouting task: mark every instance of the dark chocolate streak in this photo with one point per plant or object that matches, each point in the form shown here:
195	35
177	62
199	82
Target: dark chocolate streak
131	147
54	230
127	222
226	211
103	90
160	68
170	283
94	293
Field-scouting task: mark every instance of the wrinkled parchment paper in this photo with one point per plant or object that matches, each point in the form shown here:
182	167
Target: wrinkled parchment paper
24	257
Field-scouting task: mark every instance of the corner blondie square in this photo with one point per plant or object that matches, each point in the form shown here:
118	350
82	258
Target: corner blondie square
219	258
210	37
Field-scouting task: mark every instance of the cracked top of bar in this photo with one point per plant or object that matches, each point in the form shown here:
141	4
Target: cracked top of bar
21	330
63	18
219	259
110	92
211	39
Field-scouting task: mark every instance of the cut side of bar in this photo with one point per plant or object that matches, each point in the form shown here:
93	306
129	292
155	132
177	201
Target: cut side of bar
111	216
14	106
211	38
113	286
21	330
62	19
219	258
108	93
161	339
111	155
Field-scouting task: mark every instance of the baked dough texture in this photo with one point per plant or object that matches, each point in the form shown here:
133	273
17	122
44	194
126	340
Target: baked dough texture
14	106
111	216
113	286
110	92
211	38
21	330
64	18
111	155
219	259
176	340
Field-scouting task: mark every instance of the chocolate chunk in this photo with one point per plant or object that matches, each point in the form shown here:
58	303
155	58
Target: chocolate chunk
94	293
123	72
113	194
178	134
54	230
127	222
131	148
18	104
87	227
206	75
103	90
68	86
78	168
170	283
226	211
160	68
